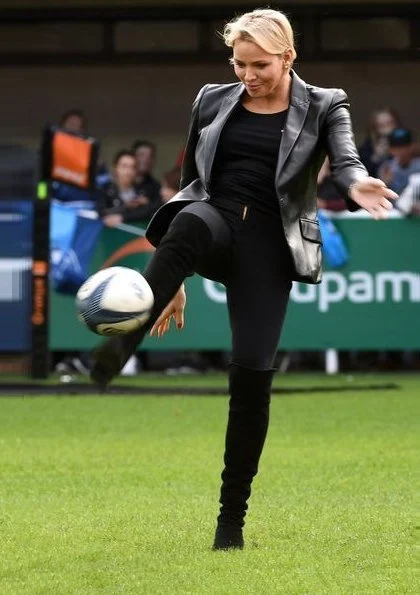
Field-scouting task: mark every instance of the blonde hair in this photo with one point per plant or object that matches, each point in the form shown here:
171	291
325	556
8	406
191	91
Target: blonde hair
268	28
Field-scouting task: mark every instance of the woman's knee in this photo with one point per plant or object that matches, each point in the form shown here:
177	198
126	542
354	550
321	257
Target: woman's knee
189	229
203	230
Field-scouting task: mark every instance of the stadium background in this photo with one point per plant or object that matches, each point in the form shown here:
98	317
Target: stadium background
120	97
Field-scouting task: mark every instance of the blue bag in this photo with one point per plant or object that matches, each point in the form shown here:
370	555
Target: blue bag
73	242
62	225
333	246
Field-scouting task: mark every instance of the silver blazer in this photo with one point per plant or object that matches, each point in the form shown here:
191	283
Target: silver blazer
318	124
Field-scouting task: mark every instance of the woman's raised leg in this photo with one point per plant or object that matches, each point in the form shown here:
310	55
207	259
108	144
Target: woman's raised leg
195	241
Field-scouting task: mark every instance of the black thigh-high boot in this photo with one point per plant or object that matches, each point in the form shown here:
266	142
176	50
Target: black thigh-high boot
198	240
249	406
187	241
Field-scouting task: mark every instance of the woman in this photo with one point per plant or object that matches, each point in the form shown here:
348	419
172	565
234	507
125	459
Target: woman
118	201
374	150
253	154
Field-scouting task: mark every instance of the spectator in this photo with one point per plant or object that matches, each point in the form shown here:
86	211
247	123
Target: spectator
328	196
409	201
146	185
395	172
118	201
374	150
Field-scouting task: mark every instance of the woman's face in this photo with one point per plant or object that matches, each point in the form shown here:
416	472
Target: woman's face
125	171
263	74
384	123
145	159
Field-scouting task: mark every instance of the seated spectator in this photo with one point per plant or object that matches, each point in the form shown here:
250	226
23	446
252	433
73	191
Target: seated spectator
409	200
118	201
403	164
146	185
374	150
170	184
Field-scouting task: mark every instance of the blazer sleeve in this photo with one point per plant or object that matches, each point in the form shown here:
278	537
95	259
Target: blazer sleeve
345	163
189	169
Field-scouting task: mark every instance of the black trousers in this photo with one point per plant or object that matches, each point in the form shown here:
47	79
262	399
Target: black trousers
245	250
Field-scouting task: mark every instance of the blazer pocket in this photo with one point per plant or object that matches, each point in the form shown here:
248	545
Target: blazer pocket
309	228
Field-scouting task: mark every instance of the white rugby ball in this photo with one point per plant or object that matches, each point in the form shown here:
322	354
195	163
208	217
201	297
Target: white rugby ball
114	301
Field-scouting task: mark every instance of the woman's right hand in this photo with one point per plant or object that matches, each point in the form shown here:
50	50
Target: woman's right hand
373	195
175	309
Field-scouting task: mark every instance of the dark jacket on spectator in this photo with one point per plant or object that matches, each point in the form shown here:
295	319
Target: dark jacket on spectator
366	152
150	187
110	203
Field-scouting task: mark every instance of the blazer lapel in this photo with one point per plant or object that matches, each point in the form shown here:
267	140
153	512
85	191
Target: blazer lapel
215	128
298	109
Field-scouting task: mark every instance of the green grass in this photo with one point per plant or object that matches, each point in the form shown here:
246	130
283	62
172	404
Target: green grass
114	495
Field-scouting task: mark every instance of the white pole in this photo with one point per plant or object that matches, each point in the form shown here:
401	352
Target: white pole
331	361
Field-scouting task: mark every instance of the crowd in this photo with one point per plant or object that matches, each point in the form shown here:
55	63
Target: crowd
388	152
128	192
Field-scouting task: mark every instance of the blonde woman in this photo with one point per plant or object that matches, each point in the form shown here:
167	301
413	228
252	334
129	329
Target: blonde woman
246	216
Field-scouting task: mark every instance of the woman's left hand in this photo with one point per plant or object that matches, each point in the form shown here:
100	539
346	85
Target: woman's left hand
175	309
373	195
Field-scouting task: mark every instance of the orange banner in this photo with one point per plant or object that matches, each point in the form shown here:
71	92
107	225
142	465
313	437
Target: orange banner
71	158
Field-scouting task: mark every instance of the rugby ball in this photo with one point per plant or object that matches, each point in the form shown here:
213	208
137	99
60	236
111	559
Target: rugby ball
114	301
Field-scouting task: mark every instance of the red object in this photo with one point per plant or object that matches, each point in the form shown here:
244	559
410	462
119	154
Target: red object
180	158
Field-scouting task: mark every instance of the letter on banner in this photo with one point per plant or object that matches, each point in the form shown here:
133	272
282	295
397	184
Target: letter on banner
303	294
361	288
326	296
396	280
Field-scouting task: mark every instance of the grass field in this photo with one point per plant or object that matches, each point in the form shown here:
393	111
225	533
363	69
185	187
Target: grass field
118	494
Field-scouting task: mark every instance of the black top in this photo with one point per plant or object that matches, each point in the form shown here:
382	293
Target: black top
366	153
149	187
245	163
110	201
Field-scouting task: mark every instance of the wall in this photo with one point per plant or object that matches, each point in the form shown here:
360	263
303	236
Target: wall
103	3
124	103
